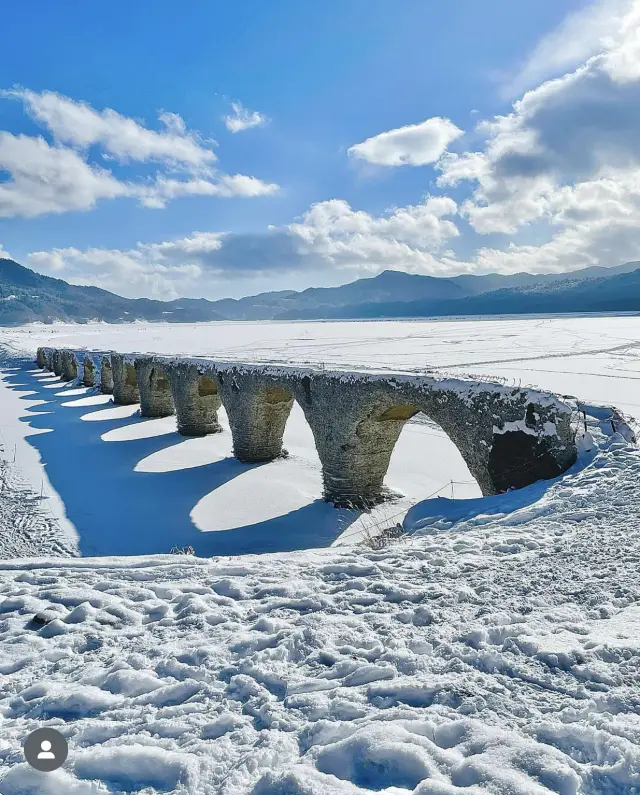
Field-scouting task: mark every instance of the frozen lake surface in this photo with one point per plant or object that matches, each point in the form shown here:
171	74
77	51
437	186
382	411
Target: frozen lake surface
596	357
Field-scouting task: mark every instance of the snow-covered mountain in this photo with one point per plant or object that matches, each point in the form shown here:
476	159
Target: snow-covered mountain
26	296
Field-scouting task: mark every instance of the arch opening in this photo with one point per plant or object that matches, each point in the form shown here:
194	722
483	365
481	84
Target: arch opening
426	463
207	387
69	366
288	485
158	381
57	363
130	378
355	450
125	381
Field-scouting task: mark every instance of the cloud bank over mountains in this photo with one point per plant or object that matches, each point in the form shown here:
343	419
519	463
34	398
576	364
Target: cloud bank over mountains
554	182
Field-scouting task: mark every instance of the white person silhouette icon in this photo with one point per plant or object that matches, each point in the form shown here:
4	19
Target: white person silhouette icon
46	752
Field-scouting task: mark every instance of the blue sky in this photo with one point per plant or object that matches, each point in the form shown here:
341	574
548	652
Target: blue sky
220	149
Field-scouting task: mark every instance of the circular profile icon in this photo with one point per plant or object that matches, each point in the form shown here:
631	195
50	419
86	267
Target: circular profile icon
46	750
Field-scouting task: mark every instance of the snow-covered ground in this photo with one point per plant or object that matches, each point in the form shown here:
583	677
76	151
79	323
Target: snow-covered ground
501	655
494	649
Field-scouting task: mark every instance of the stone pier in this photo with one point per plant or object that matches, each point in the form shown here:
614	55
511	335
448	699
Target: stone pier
258	410
106	375
69	366
508	437
57	362
125	382
196	400
88	371
154	386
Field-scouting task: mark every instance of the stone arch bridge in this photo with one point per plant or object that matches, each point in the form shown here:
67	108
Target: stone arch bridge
509	437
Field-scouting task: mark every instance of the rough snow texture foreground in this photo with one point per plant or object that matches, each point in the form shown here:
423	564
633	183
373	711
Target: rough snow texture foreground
499	656
25	526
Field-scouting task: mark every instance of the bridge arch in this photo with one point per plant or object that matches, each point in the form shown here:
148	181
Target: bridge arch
356	447
508	437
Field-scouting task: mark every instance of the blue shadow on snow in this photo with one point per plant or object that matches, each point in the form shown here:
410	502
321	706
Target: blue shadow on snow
117	511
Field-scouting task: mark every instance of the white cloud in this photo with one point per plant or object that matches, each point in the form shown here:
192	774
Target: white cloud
50	179
580	127
413	145
4	254
58	177
242	118
405	237
581	34
596	223
330	235
126	273
124	138
165	189
196	248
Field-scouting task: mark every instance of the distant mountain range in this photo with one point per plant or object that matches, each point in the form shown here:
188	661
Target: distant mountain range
26	297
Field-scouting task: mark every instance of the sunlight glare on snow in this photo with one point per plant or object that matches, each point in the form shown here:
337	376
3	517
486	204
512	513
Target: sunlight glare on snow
143	429
112	413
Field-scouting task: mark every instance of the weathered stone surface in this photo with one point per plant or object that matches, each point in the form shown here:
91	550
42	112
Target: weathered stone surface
258	409
125	381
88	372
508	438
356	420
69	366
154	386
57	362
106	375
196	400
